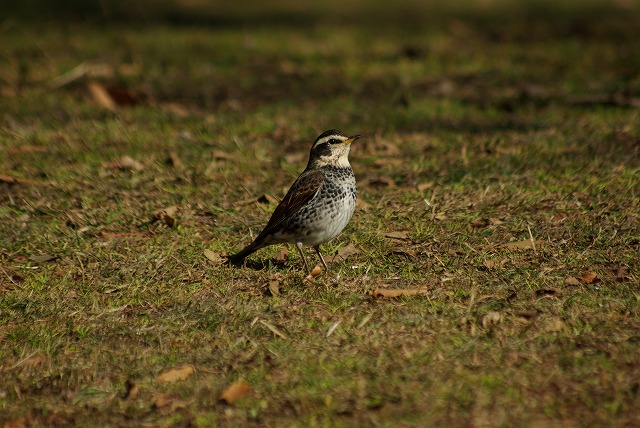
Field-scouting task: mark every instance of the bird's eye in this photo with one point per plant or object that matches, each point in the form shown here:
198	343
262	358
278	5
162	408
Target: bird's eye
333	141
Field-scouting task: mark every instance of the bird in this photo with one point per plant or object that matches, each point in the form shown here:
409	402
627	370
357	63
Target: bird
319	203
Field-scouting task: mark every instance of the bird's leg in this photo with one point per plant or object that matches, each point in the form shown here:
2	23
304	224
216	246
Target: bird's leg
317	248
304	259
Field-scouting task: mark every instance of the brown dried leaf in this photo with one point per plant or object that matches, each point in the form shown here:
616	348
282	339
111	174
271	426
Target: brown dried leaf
162	401
528	315
425	186
589	278
167	215
525	244
492	318
387	292
554	325
167	403
362	204
401	235
480	222
282	254
101	96
174	160
409	254
317	270
176	374
42	258
132	389
235	392
274	287
489	264
571	280
347	251
127	163
621	274
213	256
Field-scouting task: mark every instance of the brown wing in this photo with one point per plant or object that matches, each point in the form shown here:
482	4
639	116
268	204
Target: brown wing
301	192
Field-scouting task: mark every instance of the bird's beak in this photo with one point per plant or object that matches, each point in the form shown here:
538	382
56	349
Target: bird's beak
352	139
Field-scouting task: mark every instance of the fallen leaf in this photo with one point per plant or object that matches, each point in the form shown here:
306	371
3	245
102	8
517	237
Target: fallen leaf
235	392
525	244
317	270
397	235
174	160
389	292
132	389
425	186
363	205
491	264
282	254
162	401
101	96
554	325
274	287
528	314
167	215
43	258
127	163
480	222
410	254
589	277
491	318
167	403
213	256
347	251
176	374
571	280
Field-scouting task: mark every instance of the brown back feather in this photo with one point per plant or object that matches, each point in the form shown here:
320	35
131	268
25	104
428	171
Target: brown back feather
301	192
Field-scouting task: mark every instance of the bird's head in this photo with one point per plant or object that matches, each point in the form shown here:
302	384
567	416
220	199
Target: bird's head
331	148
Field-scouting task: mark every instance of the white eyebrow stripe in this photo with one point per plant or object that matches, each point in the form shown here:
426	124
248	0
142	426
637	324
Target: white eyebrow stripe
329	138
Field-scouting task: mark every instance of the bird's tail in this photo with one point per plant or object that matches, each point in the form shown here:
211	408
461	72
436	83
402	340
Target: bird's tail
239	257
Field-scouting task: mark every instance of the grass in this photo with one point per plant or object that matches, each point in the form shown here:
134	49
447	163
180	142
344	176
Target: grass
485	127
